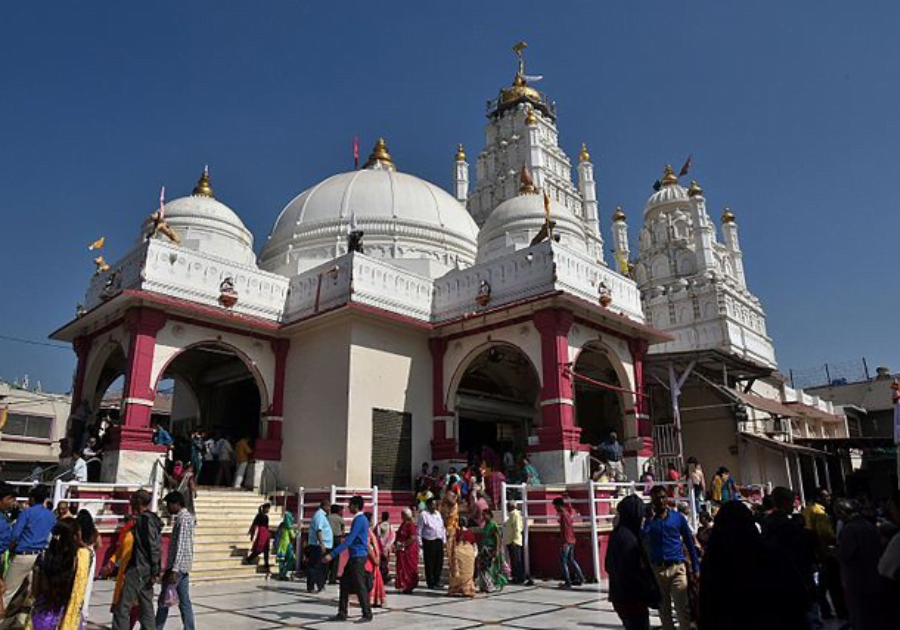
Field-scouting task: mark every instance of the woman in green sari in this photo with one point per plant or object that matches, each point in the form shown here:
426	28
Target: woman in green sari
491	571
284	546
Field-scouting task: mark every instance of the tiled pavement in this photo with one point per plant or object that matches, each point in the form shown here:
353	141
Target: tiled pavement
260	605
257	605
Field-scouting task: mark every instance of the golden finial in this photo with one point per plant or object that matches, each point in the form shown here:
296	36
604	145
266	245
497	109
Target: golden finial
668	176
380	154
531	117
203	187
618	215
460	154
584	156
727	215
526	183
695	190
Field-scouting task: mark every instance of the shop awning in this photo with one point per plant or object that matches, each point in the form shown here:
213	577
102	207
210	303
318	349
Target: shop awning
815	414
772	407
771	443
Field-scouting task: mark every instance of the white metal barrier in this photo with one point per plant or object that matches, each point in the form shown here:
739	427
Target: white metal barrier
595	494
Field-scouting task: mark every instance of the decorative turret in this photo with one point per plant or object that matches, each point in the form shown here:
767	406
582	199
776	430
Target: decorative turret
521	92
695	190
380	158
733	245
203	187
588	189
620	241
669	178
461	176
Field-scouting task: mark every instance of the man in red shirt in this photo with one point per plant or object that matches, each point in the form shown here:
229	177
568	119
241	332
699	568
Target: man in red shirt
567	545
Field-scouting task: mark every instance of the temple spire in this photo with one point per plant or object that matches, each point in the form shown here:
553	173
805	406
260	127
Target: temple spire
203	187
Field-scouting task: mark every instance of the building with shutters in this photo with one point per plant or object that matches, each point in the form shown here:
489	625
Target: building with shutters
34	425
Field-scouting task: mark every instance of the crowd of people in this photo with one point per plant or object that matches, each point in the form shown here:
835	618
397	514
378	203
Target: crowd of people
451	519
769	566
50	559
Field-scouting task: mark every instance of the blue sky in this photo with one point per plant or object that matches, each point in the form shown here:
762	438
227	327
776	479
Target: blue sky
789	109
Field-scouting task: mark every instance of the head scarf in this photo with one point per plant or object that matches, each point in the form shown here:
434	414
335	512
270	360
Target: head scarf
631	513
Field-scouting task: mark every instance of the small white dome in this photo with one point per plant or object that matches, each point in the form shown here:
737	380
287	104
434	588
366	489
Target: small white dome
672	193
408	220
209	226
514	223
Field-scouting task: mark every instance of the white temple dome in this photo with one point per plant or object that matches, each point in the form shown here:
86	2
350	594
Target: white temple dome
407	220
514	223
208	225
670	191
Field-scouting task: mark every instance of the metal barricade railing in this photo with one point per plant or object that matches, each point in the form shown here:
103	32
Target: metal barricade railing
587	497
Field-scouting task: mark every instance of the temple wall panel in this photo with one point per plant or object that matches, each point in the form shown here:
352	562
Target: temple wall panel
390	368
314	429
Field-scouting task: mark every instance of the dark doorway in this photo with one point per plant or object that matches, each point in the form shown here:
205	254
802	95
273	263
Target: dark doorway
391	449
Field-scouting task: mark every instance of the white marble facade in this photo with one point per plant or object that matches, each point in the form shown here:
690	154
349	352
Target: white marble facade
692	285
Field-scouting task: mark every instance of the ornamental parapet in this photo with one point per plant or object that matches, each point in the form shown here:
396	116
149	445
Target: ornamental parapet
538	270
178	272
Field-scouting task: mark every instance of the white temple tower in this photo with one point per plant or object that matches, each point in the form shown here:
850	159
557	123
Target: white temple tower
693	286
521	132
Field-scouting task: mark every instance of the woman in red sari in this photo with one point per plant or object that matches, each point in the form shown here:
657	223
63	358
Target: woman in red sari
407	552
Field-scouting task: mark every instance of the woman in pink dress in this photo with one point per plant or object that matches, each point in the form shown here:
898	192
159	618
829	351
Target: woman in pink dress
259	534
377	594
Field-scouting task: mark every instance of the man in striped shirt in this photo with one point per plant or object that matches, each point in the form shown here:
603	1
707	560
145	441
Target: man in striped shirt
178	565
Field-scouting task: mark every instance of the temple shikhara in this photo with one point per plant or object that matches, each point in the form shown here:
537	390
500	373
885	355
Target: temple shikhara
387	321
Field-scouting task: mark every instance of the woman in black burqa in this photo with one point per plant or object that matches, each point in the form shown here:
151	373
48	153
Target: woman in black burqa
632	585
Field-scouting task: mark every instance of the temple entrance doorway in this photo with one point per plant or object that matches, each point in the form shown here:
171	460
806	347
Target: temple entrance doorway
496	402
598	409
214	396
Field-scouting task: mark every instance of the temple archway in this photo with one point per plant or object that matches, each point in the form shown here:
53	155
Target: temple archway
495	400
215	388
598	409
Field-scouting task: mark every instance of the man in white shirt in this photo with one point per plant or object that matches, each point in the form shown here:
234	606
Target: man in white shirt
225	456
432	536
79	468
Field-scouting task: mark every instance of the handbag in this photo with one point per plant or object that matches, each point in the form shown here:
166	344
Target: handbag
171	598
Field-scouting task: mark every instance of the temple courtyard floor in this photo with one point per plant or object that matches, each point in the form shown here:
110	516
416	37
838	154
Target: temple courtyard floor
259	605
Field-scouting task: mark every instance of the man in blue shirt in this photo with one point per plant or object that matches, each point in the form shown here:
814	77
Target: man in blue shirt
667	533
30	536
321	540
354	578
611	452
7	501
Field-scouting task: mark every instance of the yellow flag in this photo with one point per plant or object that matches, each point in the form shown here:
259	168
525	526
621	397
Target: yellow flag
547	205
623	265
3	417
98	244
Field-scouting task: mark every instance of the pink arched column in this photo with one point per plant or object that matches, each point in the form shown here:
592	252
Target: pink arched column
639	445
443	449
131	453
558	453
268	446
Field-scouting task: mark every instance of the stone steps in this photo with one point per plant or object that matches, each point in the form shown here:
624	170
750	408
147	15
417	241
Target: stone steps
221	542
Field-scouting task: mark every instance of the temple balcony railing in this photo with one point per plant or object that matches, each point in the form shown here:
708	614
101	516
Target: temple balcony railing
538	270
178	272
358	279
